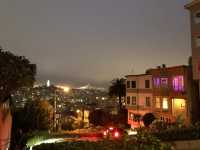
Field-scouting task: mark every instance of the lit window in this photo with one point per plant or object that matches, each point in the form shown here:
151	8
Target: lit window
133	100
157	102
156	82
128	100
197	40
197	17
148	101
133	84
128	84
178	83
165	103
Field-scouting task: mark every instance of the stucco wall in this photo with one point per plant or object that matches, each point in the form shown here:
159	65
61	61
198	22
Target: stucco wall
5	129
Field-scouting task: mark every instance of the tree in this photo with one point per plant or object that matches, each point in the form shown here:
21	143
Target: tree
38	115
99	117
15	72
148	118
35	116
118	88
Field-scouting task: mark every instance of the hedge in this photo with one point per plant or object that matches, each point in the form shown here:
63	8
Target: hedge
178	134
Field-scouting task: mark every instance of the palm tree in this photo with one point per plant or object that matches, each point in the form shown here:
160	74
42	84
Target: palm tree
118	88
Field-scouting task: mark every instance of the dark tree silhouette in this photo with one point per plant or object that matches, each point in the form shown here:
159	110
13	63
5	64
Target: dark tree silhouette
15	72
99	117
118	89
148	118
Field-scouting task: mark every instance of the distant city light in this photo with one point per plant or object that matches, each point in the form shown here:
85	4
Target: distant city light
65	88
48	83
78	111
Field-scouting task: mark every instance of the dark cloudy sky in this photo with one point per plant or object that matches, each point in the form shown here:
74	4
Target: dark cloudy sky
93	41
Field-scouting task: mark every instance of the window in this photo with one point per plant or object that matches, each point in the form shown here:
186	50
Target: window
165	104
147	84
157	102
133	84
148	101
128	84
197	41
197	17
128	100
156	82
178	83
164	82
134	100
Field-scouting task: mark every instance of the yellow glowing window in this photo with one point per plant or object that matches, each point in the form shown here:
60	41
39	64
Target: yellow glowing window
157	102
165	103
179	103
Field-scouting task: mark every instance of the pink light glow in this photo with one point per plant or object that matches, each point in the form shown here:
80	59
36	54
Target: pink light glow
156	82
178	83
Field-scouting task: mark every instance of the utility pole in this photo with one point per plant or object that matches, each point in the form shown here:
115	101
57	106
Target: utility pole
55	110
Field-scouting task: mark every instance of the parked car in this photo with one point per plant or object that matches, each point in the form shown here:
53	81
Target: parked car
114	132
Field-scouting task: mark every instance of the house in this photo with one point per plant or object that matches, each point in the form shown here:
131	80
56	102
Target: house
138	97
162	91
171	93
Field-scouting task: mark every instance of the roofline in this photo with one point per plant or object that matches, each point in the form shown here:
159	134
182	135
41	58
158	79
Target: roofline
137	75
194	2
172	67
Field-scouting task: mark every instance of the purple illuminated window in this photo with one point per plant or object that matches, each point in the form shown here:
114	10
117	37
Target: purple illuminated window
156	82
178	83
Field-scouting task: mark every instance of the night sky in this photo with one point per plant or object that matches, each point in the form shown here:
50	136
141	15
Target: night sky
77	42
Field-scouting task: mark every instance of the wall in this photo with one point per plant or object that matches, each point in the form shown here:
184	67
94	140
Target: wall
5	128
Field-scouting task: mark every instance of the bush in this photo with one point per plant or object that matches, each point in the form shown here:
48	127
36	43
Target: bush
68	124
173	134
159	125
148	119
143	141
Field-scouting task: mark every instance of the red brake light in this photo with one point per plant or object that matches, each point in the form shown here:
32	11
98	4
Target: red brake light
105	133
116	134
111	128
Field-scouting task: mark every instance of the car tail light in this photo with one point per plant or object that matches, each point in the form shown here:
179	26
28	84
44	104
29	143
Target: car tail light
111	128
116	134
105	133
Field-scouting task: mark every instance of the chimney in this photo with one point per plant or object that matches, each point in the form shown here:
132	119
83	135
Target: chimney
163	65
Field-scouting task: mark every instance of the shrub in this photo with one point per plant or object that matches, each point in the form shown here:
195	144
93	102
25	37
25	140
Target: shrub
173	134
148	119
143	141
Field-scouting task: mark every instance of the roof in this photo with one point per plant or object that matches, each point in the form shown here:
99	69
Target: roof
149	74
172	67
191	4
137	75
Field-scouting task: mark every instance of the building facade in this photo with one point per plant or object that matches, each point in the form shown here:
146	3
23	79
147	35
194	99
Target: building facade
138	97
171	93
163	91
194	8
